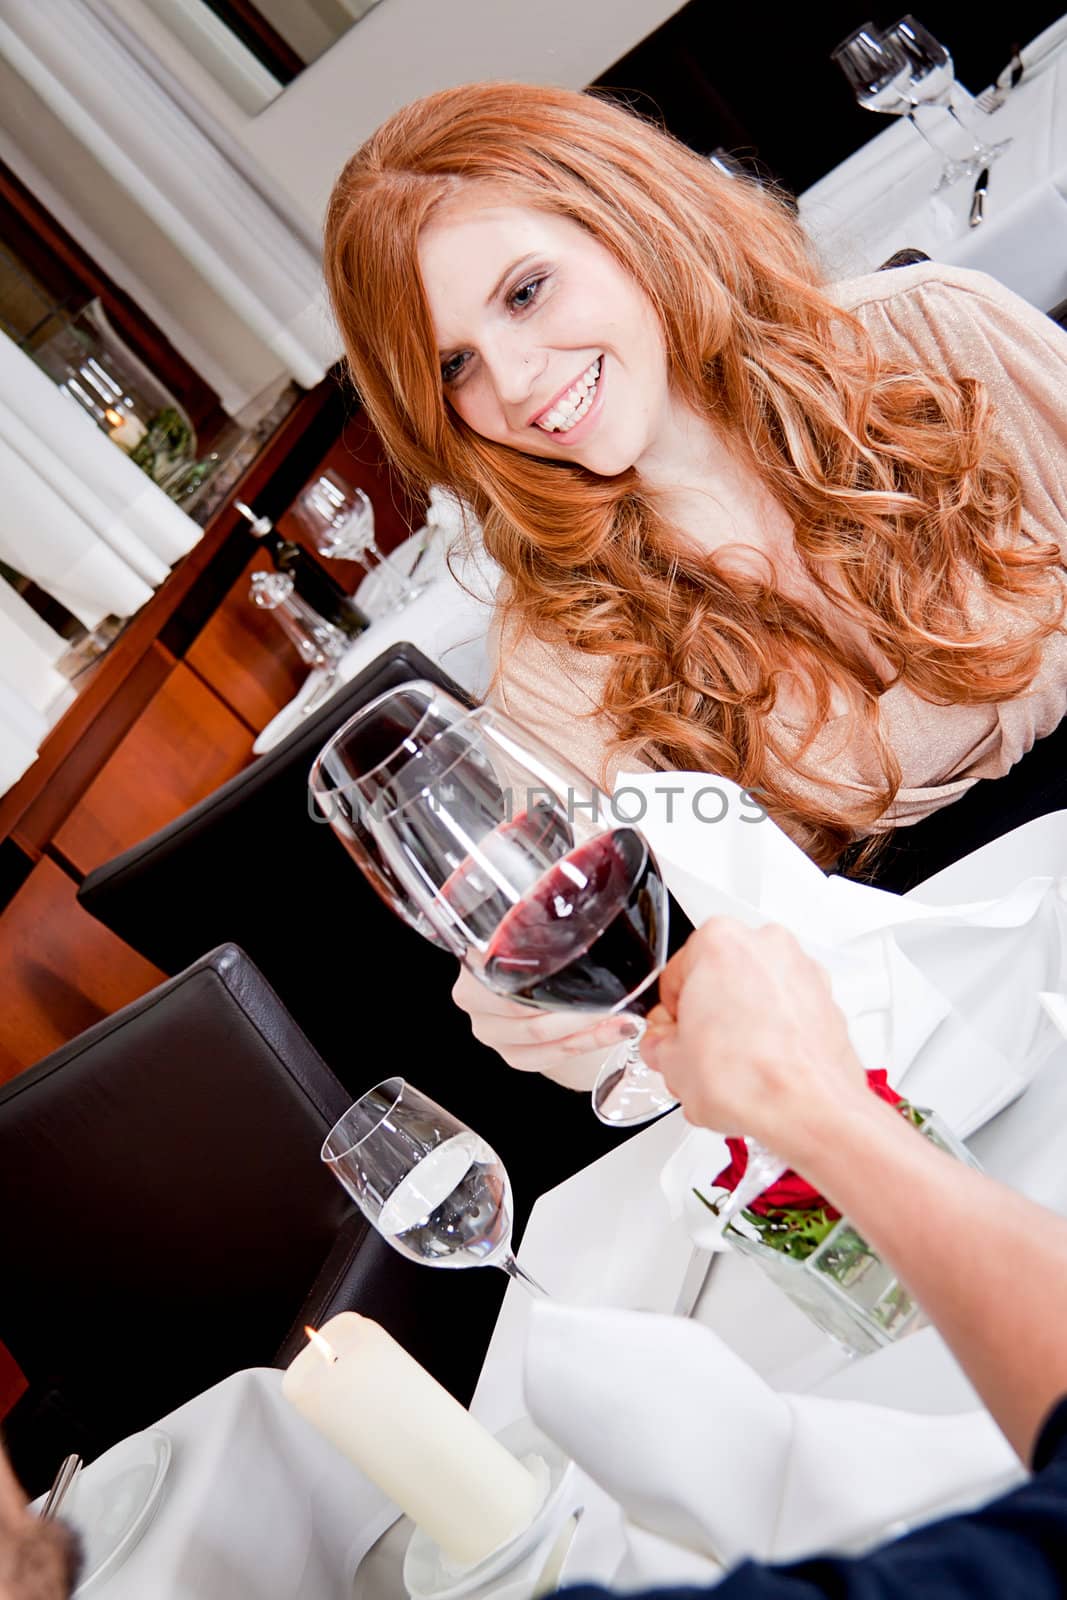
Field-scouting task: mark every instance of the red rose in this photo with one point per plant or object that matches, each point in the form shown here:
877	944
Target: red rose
879	1085
791	1192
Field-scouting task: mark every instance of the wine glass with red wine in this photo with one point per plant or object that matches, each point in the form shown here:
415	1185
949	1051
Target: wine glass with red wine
521	866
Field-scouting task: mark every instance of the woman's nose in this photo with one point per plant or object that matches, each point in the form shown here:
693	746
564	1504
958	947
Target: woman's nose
515	371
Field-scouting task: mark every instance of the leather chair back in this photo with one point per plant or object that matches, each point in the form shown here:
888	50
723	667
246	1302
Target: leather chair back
167	1220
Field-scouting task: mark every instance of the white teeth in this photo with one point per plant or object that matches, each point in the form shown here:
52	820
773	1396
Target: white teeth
574	404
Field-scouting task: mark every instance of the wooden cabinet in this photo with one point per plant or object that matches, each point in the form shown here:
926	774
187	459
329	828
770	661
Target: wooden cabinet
169	714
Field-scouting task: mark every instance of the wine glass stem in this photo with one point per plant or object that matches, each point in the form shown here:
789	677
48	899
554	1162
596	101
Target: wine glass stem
509	1265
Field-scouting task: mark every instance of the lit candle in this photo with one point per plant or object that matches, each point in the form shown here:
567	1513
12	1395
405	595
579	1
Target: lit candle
400	1427
125	430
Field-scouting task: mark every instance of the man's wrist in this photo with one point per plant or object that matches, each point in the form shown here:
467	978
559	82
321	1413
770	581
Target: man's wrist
833	1126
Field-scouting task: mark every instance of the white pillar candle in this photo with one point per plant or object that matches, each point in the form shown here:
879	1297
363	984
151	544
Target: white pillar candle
126	431
418	1444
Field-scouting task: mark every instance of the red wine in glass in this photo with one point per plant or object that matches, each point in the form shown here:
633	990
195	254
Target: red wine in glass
588	932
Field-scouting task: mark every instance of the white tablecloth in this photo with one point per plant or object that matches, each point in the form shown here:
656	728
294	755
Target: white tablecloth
879	200
255	1505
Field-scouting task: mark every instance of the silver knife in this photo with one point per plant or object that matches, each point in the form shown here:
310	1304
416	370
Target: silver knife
696	1273
979	197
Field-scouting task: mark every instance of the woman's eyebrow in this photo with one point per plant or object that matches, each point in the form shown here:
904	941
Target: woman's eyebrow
515	266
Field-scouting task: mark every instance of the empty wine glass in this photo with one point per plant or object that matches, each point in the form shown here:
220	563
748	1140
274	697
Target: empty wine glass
340	521
933	82
360	760
880	75
430	1186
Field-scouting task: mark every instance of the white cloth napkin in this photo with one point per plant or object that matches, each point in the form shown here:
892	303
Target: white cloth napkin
942	992
701	1452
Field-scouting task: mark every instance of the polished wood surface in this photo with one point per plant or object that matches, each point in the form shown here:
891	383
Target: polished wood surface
184	744
62	970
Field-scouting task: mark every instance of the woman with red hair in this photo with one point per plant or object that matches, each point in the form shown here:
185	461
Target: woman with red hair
807	537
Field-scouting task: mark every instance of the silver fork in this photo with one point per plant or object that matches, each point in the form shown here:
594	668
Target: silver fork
65	1480
993	98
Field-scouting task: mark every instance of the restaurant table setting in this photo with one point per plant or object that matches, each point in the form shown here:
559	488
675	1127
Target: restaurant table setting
610	1438
448	618
879	200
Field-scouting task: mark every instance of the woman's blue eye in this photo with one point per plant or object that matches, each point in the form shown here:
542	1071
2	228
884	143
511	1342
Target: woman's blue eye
451	369
525	294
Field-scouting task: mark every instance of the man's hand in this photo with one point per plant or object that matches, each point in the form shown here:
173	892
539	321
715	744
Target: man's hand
749	1038
38	1560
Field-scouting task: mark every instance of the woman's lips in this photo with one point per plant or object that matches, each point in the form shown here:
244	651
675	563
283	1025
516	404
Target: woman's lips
571	404
584	425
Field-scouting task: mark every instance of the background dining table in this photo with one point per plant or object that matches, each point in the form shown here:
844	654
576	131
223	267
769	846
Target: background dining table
880	199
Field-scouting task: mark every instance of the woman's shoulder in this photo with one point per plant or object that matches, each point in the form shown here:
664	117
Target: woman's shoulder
928	289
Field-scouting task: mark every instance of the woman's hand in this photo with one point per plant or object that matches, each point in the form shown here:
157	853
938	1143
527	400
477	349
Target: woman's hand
567	1046
749	1038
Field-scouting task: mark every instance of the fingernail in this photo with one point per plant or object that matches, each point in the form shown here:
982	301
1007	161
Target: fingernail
629	1029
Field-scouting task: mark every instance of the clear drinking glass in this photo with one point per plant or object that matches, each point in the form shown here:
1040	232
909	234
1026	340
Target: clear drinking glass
430	1186
317	642
340	521
361	759
933	82
880	75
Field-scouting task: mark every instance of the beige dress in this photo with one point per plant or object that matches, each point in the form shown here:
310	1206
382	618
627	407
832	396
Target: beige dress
927	316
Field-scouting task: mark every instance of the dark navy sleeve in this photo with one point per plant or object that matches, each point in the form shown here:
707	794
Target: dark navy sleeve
1015	1548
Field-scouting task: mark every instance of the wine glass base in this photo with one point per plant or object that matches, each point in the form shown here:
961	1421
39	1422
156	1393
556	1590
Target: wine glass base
628	1092
983	156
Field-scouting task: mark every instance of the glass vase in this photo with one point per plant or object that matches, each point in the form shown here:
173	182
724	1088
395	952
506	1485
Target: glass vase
844	1286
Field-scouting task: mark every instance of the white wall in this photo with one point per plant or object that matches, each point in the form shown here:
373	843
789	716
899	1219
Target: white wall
406	48
398	51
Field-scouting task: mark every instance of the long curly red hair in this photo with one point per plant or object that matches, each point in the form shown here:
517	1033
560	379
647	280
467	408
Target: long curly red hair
894	480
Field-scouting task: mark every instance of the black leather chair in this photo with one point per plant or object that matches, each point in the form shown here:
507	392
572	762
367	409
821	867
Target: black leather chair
167	1220
254	865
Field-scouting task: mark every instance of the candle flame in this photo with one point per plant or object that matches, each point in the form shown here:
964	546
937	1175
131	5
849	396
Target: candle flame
114	417
323	1346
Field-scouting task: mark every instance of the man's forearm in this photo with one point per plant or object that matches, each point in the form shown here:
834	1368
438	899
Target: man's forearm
988	1266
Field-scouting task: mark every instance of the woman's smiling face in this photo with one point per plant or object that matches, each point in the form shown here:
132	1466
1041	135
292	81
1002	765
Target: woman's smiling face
545	342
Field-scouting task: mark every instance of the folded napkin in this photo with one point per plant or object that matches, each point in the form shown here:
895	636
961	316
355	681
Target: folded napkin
1036	55
941	987
700	1452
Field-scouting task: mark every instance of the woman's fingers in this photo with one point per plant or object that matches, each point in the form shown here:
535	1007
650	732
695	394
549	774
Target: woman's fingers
536	1041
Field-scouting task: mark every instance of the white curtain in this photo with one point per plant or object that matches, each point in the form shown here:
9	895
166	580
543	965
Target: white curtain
76	514
32	692
146	141
82	521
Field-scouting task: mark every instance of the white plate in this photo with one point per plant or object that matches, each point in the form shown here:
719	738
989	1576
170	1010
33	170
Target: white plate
114	1501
